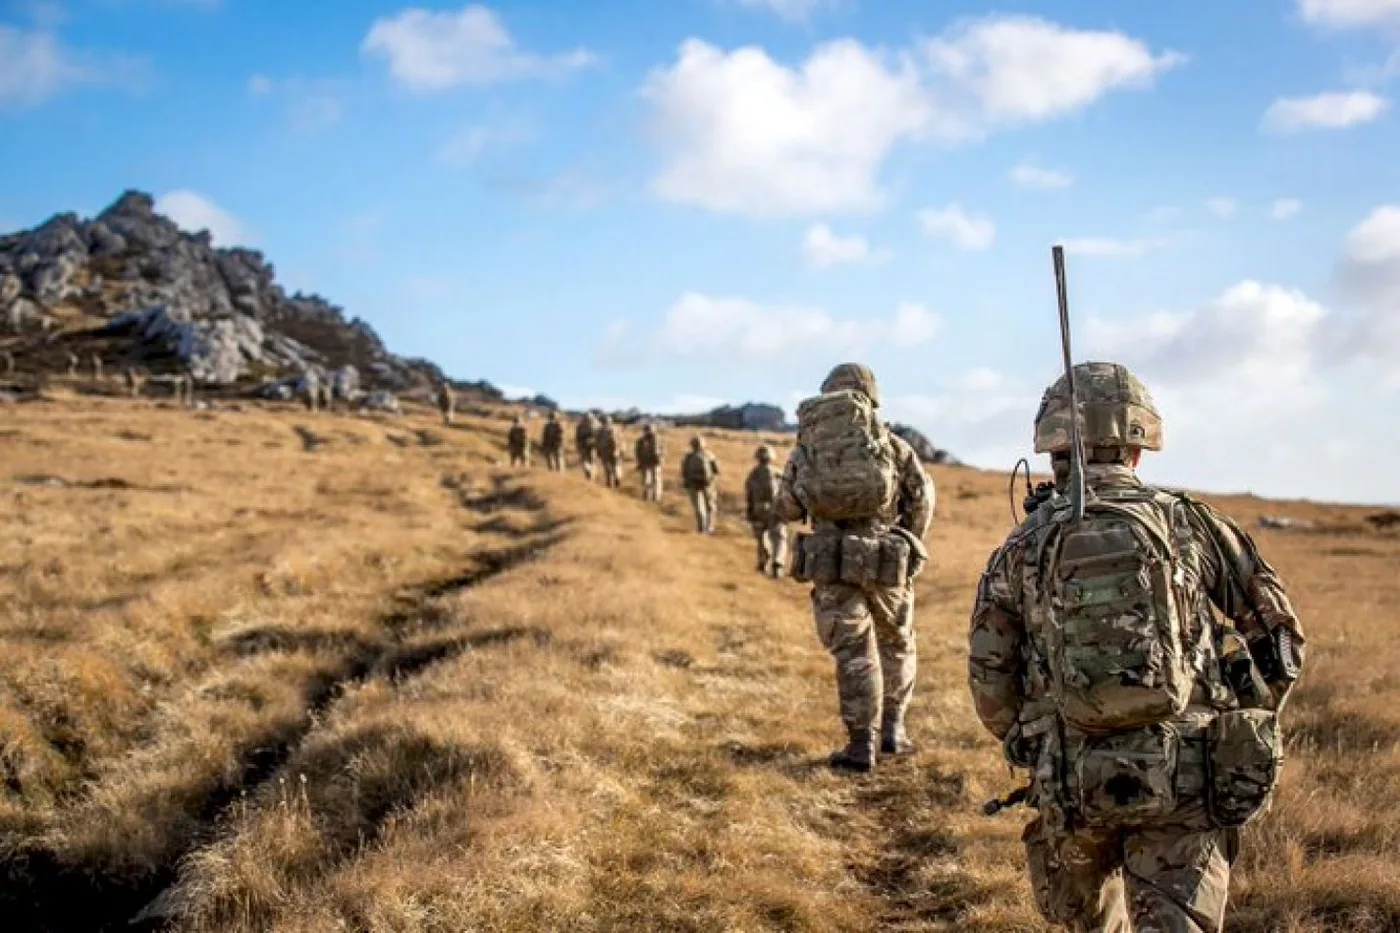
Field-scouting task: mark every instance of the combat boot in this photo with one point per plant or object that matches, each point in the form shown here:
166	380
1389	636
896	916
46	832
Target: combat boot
859	753
894	740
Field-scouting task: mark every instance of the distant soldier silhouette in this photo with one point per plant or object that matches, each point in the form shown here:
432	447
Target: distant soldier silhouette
649	453
311	389
552	443
699	475
760	507
586	443
609	450
73	363
96	367
447	402
518	443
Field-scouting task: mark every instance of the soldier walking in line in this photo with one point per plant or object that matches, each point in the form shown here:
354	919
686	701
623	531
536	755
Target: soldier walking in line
699	474
760	501
609	450
447	402
586	443
73	363
311	389
96	367
649	453
552	443
518	443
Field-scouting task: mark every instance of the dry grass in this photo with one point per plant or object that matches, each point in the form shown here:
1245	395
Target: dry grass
305	673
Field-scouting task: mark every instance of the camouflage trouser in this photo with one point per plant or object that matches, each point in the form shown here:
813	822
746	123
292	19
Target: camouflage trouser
447	414
519	458
588	459
706	504
612	476
651	484
1162	879
870	632
554	460
772	546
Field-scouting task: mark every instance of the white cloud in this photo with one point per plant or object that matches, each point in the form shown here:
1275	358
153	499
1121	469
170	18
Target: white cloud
1027	175
195	211
1111	247
1223	208
1350	14
261	85
794	11
1285	208
964	230
823	248
309	105
745	133
434	51
700	326
469	144
1331	111
1023	69
35	65
742	132
1368	274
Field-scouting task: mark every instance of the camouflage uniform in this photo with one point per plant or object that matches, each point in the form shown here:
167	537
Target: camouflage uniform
768	530
869	629
703	495
608	453
133	382
1165	874
552	444
447	402
586	443
650	453
518	443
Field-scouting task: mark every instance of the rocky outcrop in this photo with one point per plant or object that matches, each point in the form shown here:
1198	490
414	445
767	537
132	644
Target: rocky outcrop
752	416
177	303
923	446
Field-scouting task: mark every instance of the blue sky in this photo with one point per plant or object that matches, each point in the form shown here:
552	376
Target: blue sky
669	203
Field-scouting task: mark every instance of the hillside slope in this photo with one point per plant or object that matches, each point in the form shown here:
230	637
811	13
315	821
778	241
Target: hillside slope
268	670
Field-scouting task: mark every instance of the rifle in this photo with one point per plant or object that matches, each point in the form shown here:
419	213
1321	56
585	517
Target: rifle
1014	799
1076	436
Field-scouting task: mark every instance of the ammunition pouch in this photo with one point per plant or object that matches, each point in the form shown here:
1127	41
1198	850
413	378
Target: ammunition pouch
1129	778
1244	755
857	559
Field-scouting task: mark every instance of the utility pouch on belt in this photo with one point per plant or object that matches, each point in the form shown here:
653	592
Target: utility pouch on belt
860	559
894	561
1128	778
1243	760
817	558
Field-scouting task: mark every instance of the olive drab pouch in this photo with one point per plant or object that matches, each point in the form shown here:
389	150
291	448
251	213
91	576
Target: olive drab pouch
860	559
1128	778
1119	639
894	561
819	558
1243	760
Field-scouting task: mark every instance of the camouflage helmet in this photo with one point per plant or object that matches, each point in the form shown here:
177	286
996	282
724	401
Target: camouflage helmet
697	443
854	376
648	428
607	419
1116	411
764	453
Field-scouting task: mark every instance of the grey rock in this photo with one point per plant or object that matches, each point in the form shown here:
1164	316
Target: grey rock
925	448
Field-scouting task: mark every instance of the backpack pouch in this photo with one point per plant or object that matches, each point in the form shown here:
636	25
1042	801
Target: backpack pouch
894	561
860	559
1244	758
1129	778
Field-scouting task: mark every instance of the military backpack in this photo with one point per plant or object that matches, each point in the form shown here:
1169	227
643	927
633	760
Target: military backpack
846	466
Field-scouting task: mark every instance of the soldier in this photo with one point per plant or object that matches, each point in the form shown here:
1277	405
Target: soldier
447	402
133	382
96	367
311	389
1149	726
518	443
608	453
650	452
327	400
760	496
699	472
73	364
586	443
552	443
870	503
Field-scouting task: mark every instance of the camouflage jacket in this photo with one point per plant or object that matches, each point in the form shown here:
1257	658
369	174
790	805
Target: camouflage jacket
913	508
758	501
516	438
1004	659
552	438
649	451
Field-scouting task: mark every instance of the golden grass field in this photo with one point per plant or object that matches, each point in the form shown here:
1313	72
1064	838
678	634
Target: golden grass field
271	670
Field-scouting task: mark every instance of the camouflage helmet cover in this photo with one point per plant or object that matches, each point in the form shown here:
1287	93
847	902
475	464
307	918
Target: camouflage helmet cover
853	376
697	443
1116	410
764	453
648	428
